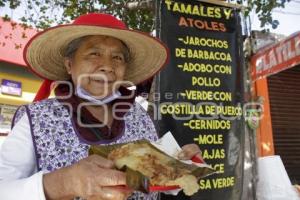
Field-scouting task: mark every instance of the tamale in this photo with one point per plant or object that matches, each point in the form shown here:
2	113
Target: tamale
147	166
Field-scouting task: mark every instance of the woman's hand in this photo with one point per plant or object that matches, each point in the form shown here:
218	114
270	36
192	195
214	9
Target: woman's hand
189	152
93	177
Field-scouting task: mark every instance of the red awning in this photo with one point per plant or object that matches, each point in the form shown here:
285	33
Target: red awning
13	38
278	57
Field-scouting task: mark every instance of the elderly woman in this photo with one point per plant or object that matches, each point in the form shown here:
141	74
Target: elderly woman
94	59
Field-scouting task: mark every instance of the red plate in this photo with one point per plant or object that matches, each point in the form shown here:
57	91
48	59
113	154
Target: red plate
163	188
198	159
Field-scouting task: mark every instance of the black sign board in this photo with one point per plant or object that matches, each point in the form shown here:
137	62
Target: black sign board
201	90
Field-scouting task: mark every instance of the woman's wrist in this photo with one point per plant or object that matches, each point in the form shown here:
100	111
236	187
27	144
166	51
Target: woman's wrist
57	184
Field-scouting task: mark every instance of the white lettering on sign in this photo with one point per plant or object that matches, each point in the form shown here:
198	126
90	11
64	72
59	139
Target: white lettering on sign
278	55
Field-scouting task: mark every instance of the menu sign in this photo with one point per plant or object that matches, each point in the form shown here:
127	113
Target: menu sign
201	90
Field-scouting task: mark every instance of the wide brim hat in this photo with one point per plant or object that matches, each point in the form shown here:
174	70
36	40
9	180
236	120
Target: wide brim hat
44	53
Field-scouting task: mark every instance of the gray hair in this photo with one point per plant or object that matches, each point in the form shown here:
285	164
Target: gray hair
73	46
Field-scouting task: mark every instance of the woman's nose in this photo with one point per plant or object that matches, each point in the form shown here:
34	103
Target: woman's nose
105	64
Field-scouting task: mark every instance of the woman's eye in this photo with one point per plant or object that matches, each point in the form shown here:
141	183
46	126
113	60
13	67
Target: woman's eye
119	58
95	54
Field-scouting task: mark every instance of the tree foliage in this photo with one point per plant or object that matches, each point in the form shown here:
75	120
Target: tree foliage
263	9
138	14
45	13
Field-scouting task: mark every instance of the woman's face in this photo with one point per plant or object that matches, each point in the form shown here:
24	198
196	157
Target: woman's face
98	65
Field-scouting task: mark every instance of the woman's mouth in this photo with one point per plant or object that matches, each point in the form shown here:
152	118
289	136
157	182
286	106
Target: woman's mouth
102	80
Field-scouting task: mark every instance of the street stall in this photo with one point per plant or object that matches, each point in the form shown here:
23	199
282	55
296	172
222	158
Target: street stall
275	73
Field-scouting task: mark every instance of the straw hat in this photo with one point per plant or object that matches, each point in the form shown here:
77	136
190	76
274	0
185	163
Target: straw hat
44	52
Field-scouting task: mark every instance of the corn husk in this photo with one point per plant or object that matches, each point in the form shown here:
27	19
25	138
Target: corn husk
137	180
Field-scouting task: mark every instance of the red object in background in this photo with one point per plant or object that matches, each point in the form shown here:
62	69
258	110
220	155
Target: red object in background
13	38
277	57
